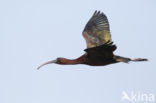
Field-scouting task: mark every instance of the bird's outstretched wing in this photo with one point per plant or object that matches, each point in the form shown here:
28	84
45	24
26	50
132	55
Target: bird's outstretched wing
96	31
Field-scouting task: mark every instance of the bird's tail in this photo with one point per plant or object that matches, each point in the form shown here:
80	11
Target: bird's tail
126	60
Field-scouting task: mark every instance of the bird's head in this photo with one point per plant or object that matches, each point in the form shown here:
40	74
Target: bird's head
56	61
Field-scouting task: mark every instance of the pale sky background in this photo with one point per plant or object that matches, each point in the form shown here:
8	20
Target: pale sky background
35	31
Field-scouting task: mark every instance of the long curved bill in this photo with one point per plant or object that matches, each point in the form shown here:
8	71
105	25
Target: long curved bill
49	62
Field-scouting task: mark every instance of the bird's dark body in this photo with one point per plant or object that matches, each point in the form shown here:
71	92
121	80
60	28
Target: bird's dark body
101	55
100	62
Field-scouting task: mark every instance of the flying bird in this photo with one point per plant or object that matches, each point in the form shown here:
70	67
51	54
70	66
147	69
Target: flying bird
100	47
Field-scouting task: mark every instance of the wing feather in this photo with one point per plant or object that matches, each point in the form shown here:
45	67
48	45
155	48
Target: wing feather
96	31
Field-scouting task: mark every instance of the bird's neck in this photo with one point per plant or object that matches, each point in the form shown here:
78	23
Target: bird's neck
79	60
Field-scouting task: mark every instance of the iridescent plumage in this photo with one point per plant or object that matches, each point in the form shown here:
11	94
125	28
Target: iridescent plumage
97	31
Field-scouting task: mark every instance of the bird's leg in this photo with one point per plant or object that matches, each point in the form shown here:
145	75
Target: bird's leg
139	59
126	60
121	59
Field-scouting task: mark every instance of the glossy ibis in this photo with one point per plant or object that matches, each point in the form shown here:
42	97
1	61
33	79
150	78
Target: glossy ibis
100	47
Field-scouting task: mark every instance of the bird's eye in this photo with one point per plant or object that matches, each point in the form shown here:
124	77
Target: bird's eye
58	61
